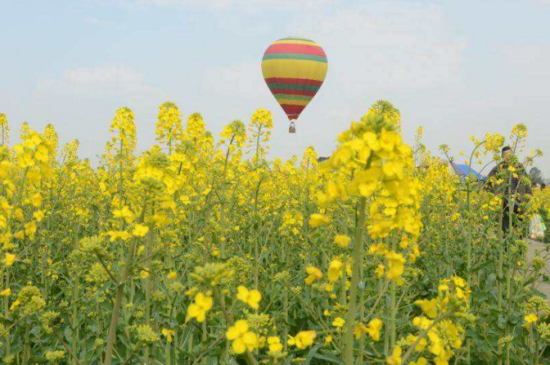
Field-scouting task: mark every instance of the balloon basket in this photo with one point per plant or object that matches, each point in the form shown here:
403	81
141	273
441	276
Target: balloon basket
292	128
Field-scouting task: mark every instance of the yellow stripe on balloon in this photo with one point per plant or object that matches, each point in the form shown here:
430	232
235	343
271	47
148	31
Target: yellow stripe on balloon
286	41
302	69
293	102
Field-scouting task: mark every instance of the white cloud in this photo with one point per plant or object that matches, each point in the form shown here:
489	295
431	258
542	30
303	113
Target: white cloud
99	82
238	81
529	56
245	6
526	67
94	21
398	47
98	21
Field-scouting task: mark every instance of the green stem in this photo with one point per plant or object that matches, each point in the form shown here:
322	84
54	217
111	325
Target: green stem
361	318
148	288
26	346
222	203
167	353
116	306
499	286
343	279
355	276
7	310
393	313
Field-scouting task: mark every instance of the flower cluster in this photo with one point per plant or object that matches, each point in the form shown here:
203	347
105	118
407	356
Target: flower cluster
202	249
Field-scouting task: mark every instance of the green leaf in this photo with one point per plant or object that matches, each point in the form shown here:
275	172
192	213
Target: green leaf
330	358
311	353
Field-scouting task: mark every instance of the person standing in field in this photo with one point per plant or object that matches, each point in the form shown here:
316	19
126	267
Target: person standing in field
510	181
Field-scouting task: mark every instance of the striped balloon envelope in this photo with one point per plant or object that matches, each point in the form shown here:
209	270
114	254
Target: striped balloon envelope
294	70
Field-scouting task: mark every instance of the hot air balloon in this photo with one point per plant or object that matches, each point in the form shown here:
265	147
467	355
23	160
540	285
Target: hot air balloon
294	70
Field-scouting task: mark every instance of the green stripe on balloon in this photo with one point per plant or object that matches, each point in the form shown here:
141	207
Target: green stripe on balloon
296	39
277	85
292	97
294	56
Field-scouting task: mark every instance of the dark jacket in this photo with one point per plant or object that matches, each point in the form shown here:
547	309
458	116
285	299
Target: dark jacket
519	185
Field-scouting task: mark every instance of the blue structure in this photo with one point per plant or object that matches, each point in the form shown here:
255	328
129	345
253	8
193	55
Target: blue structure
465	170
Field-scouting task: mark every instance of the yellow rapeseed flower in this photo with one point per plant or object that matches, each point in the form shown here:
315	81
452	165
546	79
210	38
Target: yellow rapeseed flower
250	297
379	271
396	266
9	259
275	346
203	303
530	319
429	307
242	339
420	361
338	322
313	275
342	240
168	334
317	220
335	270
395	358
140	230
303	339
373	329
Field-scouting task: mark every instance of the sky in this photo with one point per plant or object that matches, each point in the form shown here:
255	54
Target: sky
457	68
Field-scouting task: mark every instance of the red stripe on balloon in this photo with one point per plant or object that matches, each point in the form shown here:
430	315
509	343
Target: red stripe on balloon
296	48
294	92
290	81
293	111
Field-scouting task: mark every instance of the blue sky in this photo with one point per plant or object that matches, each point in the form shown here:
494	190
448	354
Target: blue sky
455	67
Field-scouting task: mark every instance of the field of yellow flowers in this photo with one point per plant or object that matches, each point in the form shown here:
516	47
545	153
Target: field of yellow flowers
201	250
